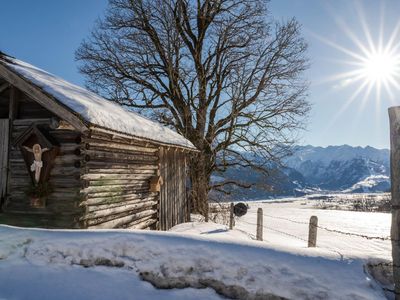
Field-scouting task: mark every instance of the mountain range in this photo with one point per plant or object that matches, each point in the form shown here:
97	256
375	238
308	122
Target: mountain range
312	169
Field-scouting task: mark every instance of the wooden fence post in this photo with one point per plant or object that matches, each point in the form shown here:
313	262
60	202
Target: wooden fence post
259	224
312	232
394	118
231	217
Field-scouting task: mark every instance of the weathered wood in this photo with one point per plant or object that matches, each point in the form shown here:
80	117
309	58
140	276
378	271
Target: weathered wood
394	118
42	98
231	219
143	224
92	143
122	172
117	165
259	234
116	222
140	222
107	177
112	156
4	138
116	188
151	201
115	195
25	123
312	231
109	211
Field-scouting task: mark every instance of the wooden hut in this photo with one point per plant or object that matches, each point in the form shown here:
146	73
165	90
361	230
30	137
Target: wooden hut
71	159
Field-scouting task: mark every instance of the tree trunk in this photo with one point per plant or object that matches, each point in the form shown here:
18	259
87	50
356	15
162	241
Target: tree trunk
200	184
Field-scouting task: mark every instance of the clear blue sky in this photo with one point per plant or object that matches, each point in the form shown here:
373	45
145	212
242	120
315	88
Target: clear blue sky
47	33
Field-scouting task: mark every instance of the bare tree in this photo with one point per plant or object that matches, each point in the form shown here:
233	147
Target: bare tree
222	73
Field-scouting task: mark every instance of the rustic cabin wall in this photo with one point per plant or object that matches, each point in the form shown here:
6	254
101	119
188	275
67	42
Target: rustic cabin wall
174	207
4	138
117	174
62	204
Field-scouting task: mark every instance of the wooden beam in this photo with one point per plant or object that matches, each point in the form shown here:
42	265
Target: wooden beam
394	117
13	104
4	86
43	98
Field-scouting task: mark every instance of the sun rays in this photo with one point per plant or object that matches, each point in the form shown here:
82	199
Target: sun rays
370	64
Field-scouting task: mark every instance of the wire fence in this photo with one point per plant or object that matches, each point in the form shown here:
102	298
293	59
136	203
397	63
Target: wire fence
280	231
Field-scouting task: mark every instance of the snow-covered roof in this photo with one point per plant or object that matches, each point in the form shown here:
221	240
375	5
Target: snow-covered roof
94	109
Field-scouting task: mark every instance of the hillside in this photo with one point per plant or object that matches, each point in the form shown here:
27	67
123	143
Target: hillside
318	169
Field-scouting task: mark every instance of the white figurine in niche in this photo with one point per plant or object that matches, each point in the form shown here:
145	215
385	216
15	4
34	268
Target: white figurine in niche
37	162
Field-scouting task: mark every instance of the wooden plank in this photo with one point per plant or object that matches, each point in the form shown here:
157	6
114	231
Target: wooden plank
394	117
4	140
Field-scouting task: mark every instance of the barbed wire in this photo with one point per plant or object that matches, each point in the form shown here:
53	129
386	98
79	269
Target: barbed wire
288	234
276	230
286	219
368	237
387	238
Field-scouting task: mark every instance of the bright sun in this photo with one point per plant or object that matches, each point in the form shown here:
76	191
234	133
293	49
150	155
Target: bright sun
380	68
370	69
373	64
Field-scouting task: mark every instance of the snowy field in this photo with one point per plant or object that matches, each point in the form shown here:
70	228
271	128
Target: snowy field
202	260
286	226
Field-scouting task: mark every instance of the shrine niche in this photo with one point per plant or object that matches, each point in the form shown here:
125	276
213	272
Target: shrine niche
39	150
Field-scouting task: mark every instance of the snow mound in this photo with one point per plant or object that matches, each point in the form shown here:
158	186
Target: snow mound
244	269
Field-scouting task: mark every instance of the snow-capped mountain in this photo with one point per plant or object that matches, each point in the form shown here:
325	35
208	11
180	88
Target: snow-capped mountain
342	167
318	169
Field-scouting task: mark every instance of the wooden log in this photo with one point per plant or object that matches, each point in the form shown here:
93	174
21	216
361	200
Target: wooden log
115	182
312	231
120	221
259	234
111	156
116	188
120	194
100	198
110	145
108	211
394	118
125	165
139	221
146	201
126	171
128	140
108	177
231	219
143	224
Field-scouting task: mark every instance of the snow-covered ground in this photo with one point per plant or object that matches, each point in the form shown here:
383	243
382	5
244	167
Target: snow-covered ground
202	259
286	225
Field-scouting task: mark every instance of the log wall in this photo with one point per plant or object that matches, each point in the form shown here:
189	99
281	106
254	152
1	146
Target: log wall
116	176
62	205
